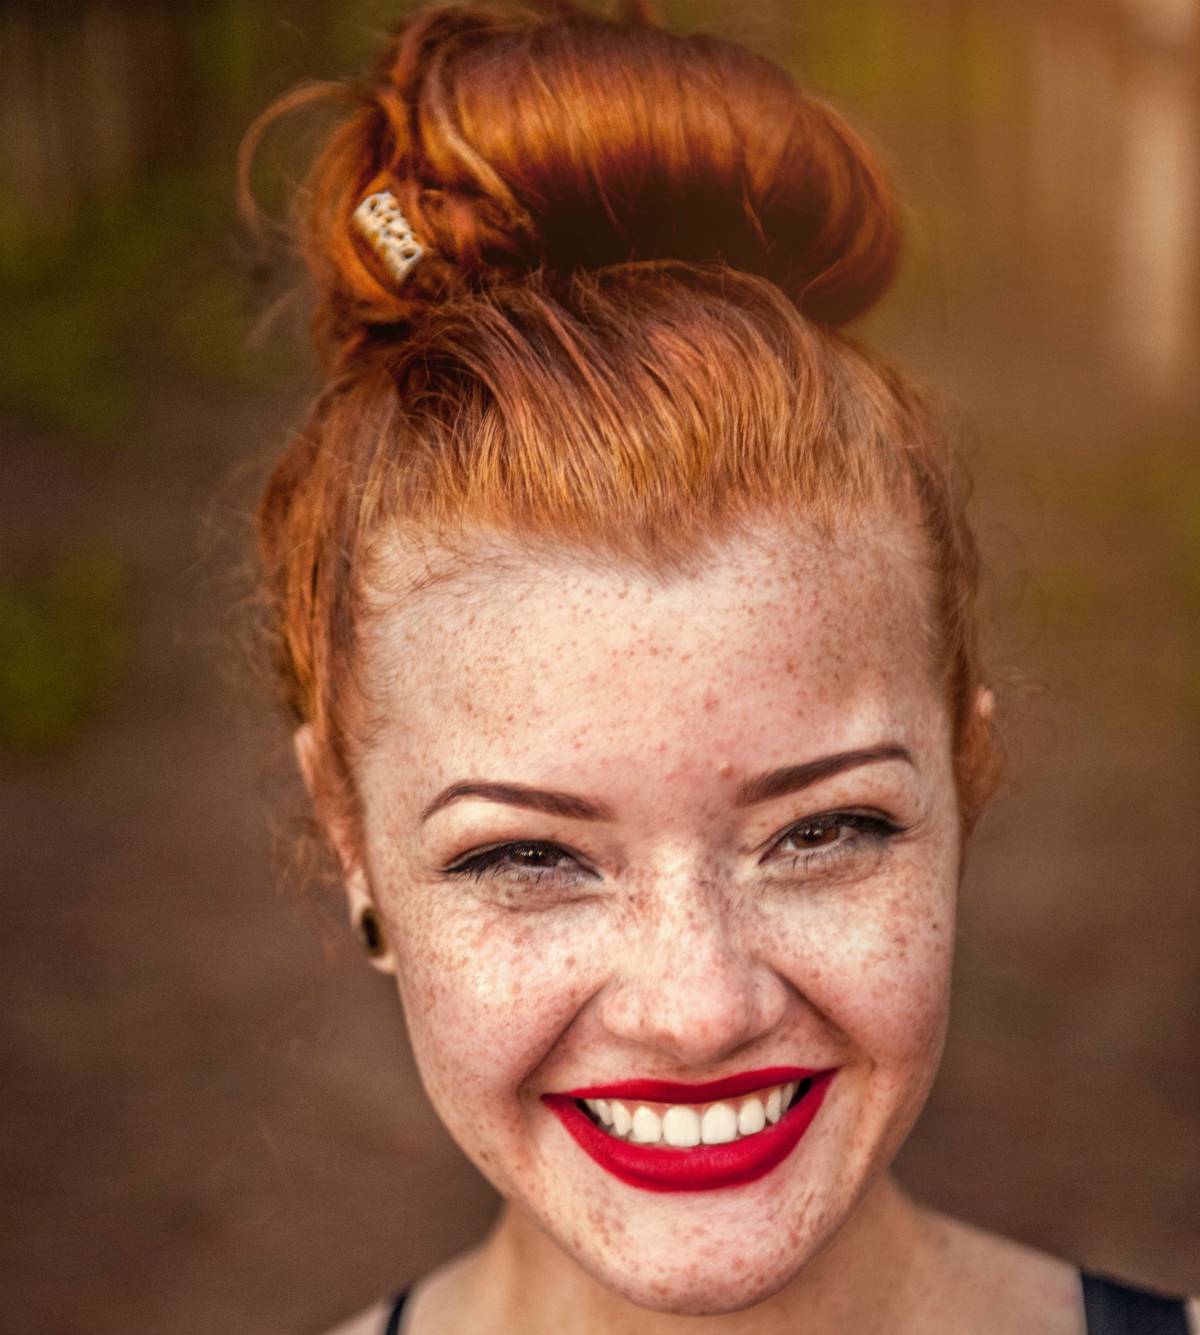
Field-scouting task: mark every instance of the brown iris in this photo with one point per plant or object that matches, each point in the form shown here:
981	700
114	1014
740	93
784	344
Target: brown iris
816	834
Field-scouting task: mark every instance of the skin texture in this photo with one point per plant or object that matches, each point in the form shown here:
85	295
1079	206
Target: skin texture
680	937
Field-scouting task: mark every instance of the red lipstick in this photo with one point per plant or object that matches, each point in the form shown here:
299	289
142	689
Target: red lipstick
705	1167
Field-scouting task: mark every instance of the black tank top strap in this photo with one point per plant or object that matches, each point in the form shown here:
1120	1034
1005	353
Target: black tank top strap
393	1322
1113	1308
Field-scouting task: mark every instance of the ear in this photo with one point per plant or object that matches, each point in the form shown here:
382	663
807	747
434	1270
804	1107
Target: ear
359	899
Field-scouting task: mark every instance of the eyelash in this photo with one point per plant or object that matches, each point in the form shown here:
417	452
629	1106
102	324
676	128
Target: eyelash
868	827
479	865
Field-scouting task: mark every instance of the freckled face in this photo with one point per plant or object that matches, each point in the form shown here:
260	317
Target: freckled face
675	923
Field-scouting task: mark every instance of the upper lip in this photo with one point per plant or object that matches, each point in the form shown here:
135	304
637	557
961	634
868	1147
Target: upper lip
672	1091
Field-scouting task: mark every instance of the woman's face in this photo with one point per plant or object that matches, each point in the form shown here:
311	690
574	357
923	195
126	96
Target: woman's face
631	837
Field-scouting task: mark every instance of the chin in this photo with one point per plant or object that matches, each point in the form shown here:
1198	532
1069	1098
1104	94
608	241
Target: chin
711	1253
720	1282
704	1261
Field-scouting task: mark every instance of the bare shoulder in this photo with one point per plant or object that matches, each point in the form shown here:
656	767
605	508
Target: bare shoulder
369	1322
1006	1284
434	1305
992	1283
447	1300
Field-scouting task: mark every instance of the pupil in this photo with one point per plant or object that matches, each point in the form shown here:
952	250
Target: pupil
533	856
818	834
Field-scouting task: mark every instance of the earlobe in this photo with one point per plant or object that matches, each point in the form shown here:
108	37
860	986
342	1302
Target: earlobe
368	925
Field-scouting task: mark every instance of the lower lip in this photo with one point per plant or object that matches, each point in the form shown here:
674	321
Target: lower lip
705	1168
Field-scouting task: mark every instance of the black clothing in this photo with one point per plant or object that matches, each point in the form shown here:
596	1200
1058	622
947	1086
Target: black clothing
1116	1309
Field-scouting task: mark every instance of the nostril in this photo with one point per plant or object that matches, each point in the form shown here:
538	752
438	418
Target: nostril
695	1034
696	998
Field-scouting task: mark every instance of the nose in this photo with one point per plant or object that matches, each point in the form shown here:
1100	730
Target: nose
691	989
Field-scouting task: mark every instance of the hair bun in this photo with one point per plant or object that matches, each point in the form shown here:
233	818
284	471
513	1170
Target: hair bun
517	141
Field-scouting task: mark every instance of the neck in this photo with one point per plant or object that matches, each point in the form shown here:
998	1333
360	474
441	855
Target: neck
871	1266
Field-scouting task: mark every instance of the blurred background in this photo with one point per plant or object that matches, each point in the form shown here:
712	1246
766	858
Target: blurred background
209	1118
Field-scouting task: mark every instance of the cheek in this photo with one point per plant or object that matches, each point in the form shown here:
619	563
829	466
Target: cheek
486	994
876	965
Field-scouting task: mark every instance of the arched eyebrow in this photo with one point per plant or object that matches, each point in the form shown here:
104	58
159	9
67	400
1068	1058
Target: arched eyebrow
547	800
793	778
763	787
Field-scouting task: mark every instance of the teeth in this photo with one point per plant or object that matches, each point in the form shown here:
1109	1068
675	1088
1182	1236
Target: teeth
681	1127
684	1126
751	1117
647	1127
720	1125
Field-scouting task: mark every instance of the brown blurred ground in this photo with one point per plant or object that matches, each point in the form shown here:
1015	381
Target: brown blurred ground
210	1119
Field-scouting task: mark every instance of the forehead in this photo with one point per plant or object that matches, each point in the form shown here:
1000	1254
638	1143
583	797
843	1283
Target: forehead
528	651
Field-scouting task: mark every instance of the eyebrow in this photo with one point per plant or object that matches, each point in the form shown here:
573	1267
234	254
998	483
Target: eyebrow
521	795
792	778
774	783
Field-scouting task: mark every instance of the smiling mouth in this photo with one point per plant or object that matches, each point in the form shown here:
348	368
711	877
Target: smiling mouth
662	1136
686	1125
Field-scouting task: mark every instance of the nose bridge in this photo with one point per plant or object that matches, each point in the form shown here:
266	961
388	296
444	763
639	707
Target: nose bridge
691	983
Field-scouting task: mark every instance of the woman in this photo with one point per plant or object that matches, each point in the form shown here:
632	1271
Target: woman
626	615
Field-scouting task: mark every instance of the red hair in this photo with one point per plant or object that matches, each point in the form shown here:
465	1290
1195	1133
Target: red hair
623	335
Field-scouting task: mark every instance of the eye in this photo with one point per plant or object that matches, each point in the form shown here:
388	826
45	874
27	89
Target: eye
519	862
816	834
833	834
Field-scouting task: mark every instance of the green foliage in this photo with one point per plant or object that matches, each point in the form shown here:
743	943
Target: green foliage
135	278
1152	486
228	40
54	364
137	287
63	643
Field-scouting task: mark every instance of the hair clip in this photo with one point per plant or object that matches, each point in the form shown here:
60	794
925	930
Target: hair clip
379	219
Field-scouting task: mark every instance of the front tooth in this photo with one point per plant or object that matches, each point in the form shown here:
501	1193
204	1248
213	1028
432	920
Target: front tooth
681	1127
621	1120
751	1117
720	1125
774	1105
647	1127
604	1111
